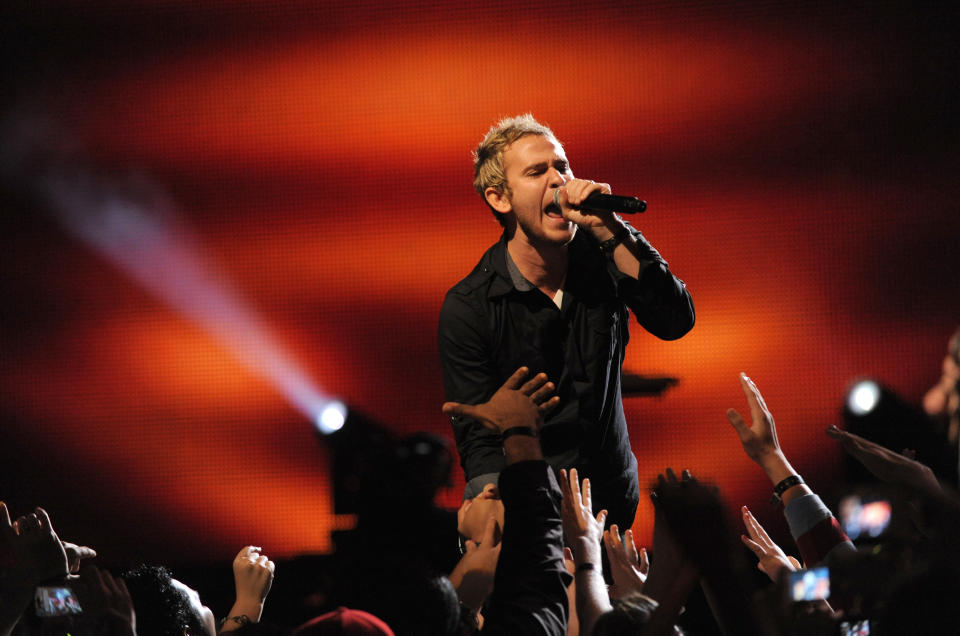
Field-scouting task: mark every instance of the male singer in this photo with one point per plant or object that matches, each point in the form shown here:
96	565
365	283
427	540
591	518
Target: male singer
552	295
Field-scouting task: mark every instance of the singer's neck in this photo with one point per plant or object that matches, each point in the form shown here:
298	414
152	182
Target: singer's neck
543	264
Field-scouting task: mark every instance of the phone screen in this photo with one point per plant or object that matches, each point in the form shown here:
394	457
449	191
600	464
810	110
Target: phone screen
810	585
56	601
864	519
855	628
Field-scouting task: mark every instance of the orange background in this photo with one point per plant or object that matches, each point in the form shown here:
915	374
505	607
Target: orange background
799	164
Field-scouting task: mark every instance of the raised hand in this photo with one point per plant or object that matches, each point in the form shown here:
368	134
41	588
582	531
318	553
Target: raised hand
759	440
884	463
516	403
628	567
35	546
107	599
771	558
576	512
253	575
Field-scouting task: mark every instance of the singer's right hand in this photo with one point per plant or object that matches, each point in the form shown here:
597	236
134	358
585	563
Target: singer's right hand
573	193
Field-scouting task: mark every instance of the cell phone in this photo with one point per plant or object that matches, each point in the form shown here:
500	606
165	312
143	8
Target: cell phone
810	585
56	600
855	628
864	519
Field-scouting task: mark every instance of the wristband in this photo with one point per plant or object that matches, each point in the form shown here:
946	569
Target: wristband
611	243
783	486
585	567
527	431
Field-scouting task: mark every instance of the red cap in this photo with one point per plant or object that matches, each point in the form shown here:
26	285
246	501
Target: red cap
344	621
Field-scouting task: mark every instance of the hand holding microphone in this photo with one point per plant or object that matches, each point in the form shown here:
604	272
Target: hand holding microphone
600	202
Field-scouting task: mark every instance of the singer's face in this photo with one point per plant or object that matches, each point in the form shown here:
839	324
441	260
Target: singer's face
535	166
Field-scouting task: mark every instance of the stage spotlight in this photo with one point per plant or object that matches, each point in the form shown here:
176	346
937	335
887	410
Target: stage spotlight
331	418
863	397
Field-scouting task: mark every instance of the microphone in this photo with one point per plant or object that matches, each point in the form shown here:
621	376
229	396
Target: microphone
613	203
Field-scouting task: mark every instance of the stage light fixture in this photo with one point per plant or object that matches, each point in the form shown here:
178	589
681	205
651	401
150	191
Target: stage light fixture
863	398
331	418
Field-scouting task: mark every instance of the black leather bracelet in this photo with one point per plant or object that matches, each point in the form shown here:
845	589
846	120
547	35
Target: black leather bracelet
783	486
528	431
585	567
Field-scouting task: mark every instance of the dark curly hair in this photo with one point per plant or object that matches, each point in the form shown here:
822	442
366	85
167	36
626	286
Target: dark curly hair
162	608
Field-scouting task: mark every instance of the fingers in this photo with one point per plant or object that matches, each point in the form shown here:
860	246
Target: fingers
43	518
755	547
5	516
756	531
630	548
536	382
549	405
565	491
543	392
796	564
601	518
574	487
489	533
644	561
515	381
758	409
577	190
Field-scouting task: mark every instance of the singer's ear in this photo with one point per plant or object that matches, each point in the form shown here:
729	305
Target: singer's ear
499	201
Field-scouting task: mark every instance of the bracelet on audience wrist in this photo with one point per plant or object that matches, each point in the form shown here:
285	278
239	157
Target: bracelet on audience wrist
241	619
783	486
585	567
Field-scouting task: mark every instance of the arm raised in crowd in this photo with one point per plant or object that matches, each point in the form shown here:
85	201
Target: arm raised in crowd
885	464
584	533
814	528
32	553
771	559
628	568
253	577
530	582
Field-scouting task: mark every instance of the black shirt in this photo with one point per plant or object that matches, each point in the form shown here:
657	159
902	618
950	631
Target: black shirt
492	323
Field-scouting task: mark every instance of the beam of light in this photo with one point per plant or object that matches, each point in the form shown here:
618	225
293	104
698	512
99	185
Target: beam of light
135	225
863	397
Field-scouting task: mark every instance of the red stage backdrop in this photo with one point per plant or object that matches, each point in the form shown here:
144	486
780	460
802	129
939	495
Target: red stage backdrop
799	164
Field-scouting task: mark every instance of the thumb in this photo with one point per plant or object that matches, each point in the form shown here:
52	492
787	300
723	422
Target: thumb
455	409
738	423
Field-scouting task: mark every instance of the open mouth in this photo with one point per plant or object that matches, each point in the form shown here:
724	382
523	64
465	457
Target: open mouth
553	211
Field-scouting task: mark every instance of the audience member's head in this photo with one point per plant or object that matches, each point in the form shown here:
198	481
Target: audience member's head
415	601
344	622
628	617
165	606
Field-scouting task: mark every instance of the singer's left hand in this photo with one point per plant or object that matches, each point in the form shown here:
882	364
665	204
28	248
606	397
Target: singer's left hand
573	193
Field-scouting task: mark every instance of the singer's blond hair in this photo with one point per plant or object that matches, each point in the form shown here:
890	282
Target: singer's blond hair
488	168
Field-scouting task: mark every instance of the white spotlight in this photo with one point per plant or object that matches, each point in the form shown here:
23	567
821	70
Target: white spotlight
331	418
863	397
